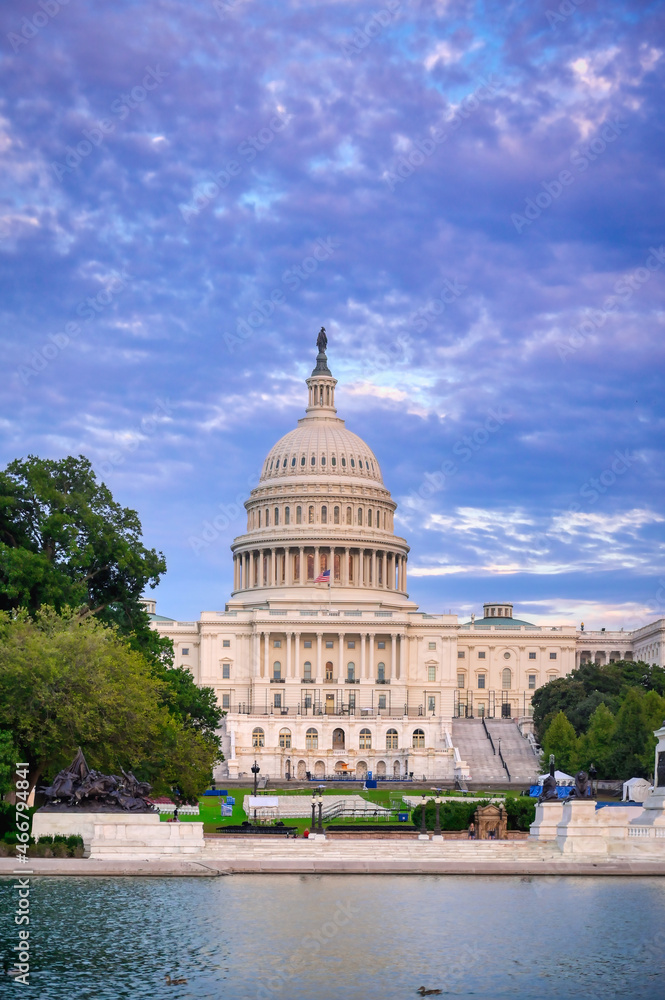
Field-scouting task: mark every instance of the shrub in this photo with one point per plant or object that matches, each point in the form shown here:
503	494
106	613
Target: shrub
521	813
454	815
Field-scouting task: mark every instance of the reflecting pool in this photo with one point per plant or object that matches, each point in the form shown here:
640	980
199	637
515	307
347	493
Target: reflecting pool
336	936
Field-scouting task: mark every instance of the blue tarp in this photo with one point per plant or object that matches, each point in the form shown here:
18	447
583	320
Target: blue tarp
562	792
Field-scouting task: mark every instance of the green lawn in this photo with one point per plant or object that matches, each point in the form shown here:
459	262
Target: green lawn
210	807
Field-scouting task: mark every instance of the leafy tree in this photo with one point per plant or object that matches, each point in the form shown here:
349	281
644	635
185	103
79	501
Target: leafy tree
521	812
65	542
597	745
562	694
67	682
632	737
561	740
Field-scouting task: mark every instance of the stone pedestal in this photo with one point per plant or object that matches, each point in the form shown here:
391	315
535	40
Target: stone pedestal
423	836
548	817
122	835
579	831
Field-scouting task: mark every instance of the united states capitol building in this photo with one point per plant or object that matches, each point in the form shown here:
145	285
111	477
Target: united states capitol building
346	675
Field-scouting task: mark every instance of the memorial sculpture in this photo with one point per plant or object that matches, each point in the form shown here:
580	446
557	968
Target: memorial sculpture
84	789
549	792
582	789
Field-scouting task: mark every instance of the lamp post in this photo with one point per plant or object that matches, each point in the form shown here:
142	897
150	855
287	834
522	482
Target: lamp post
437	825
255	771
320	830
313	826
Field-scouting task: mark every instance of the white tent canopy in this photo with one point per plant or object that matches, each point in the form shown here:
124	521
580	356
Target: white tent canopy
635	790
561	778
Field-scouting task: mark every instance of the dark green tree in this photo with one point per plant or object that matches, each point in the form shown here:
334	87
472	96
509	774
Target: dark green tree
632	737
561	740
597	745
65	542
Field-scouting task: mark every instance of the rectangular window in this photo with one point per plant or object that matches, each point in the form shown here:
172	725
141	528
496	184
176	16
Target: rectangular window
552	656
226	671
431	703
382	701
481	681
308	644
351	645
226	643
431	645
431	673
460	654
532	681
381	645
278	701
481	655
352	702
226	701
532	656
329	644
308	701
185	650
277	644
461	680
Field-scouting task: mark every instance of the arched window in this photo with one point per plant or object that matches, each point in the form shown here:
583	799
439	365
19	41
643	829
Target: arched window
351	671
333	460
391	740
384	520
276	515
311	739
349	516
506	678
418	739
302	460
381	672
343	462
311	515
323	460
277	670
360	515
307	670
324	515
285	739
287	515
313	460
365	739
267	517
336	515
258	738
338	739
369	518
293	461
298	515
259	513
353	463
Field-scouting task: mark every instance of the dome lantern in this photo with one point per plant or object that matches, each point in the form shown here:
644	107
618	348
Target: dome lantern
321	384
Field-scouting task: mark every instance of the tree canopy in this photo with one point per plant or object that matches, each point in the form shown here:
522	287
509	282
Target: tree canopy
69	682
65	542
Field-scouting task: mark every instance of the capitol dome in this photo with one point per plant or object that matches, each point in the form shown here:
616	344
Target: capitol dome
320	506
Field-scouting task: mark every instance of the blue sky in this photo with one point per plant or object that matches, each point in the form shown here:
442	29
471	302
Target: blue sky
469	196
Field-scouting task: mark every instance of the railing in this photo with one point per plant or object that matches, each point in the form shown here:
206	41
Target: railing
352	680
308	680
278	680
383	680
505	766
319	708
489	737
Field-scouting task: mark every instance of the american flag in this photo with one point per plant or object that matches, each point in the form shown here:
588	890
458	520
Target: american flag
324	578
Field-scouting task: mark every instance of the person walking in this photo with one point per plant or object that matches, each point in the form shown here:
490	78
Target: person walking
472	831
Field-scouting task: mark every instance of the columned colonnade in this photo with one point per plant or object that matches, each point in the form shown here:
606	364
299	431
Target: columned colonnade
263	654
285	566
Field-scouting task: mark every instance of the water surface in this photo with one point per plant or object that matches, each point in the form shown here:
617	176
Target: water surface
332	936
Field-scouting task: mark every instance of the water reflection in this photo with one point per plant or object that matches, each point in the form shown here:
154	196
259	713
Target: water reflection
271	937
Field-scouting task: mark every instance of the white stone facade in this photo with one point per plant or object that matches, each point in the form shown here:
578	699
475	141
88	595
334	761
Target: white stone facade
350	677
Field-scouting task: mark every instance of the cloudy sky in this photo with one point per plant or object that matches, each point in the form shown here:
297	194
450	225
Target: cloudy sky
469	196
